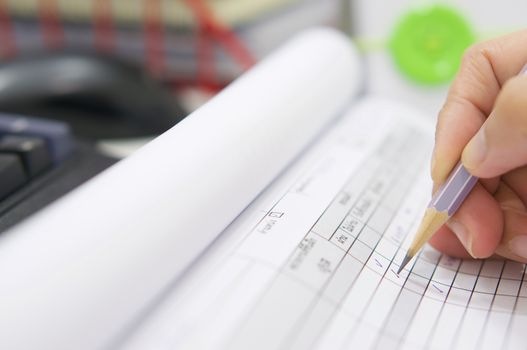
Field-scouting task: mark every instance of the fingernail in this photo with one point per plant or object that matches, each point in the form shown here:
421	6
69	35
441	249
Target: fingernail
518	245
476	150
462	234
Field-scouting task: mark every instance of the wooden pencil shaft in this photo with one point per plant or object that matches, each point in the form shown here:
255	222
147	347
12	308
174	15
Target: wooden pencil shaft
445	202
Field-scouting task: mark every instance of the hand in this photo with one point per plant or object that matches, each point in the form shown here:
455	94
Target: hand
484	122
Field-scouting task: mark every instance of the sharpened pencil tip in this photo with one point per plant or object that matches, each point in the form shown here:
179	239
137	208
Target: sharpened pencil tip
405	262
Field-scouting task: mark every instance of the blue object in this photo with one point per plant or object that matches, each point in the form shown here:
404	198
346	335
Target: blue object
56	134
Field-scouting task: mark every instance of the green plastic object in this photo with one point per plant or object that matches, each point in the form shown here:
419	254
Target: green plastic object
428	42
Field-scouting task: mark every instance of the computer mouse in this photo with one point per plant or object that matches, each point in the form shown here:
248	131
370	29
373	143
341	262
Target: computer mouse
98	95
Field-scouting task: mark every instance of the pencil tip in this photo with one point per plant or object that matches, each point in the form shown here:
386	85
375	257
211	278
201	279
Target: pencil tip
405	262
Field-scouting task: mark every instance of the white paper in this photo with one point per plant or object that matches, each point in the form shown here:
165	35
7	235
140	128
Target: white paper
81	272
334	198
311	265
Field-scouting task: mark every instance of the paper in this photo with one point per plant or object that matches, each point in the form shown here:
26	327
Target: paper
94	261
305	216
312	263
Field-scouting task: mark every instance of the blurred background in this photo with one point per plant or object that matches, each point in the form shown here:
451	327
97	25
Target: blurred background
194	48
85	83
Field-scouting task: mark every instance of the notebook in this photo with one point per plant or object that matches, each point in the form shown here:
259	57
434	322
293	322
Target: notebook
273	217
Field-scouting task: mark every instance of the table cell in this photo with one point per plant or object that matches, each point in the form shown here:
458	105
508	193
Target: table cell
492	268
423	268
416	284
342	239
279	310
386	248
402	313
471	267
365	206
518	325
311	326
361	292
369	237
380	220
513	270
378	264
446	326
523	289
363	337
465	281
335	335
508	287
314	260
493	335
423	322
486	285
342	279
352	225
330	220
480	301
387	342
443	275
459	297
449	262
360	251
381	303
472	325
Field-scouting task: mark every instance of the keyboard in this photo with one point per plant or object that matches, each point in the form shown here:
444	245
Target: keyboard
40	160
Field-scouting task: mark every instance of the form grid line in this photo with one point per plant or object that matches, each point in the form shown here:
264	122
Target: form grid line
339	306
320	292
280	270
455	338
513	313
487	316
440	313
400	338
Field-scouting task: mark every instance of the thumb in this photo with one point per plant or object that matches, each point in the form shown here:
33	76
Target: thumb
500	145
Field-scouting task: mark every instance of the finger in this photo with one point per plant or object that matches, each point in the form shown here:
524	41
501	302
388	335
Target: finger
491	185
460	118
501	143
484	69
447	242
514	241
478	223
517	181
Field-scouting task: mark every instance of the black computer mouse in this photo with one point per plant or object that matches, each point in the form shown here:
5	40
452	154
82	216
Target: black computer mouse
99	96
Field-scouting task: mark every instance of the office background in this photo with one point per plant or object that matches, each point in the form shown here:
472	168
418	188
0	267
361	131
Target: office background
200	45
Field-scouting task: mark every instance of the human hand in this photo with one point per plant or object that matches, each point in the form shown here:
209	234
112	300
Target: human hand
484	122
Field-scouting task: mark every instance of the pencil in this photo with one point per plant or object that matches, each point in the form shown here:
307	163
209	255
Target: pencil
443	205
445	202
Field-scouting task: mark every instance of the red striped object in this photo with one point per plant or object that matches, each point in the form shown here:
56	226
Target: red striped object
7	40
52	31
154	37
103	25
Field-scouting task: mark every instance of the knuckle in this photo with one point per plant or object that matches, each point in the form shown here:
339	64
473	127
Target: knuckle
476	80
481	52
472	54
